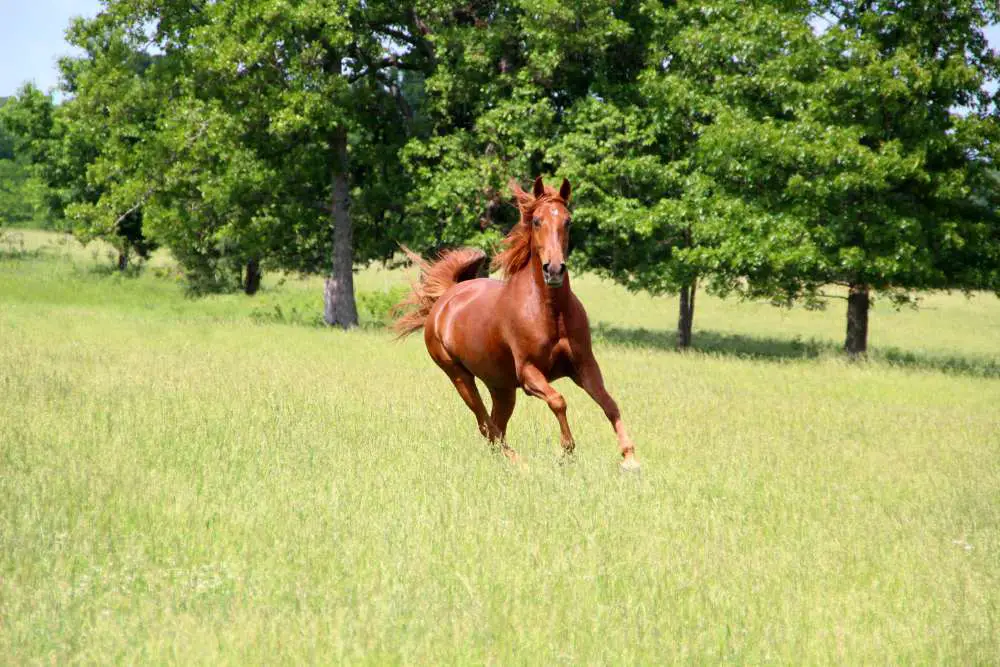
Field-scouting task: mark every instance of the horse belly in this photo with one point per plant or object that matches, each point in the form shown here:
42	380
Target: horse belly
495	367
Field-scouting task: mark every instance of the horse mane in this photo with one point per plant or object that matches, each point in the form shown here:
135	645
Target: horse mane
517	243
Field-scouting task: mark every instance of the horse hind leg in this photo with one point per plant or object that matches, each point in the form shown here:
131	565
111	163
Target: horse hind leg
465	384
503	407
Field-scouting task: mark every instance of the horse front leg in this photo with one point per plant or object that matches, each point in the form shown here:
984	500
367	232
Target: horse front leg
588	376
536	384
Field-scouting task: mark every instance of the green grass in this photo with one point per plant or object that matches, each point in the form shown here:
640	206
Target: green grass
186	481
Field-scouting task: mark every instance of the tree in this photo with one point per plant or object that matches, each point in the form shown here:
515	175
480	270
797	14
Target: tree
877	174
278	147
25	129
68	150
21	194
650	208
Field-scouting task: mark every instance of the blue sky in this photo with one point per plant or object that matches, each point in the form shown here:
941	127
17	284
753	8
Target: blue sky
32	39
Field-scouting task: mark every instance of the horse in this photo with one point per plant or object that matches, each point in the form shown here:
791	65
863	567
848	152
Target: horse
524	331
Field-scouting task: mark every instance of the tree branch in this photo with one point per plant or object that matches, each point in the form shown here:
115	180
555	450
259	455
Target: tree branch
142	200
404	107
156	183
415	35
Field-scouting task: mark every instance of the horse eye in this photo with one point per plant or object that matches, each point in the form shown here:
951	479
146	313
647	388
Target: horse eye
536	222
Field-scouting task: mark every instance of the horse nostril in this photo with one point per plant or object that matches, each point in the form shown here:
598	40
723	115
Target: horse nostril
545	267
562	270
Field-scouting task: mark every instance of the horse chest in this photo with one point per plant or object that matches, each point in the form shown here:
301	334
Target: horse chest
548	351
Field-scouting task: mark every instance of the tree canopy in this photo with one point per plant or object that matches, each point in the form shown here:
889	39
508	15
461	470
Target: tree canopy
876	174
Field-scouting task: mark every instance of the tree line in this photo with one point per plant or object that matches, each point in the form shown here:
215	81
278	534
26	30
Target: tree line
763	149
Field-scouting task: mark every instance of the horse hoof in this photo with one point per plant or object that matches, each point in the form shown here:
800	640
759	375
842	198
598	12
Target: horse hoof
631	464
515	460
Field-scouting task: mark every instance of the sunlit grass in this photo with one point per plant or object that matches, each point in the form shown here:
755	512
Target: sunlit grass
183	482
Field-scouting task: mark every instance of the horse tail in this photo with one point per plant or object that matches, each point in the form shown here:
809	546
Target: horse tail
451	268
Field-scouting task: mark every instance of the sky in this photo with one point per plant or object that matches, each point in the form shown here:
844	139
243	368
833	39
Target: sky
32	39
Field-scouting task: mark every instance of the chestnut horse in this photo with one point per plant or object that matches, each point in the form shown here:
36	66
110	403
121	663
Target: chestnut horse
524	331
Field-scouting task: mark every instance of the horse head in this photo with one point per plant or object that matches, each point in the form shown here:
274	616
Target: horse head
550	222
541	235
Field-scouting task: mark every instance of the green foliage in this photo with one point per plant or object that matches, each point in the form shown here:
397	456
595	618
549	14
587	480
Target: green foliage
378	304
506	76
20	195
23	195
72	148
877	171
238	165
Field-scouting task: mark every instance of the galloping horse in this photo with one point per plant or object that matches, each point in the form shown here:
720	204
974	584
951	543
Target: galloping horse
524	331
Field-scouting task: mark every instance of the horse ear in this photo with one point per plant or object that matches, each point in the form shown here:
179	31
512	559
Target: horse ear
564	190
539	187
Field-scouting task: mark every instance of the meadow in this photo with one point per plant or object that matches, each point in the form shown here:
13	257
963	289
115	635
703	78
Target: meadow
219	481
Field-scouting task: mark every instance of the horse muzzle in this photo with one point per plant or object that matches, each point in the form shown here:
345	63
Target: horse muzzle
554	275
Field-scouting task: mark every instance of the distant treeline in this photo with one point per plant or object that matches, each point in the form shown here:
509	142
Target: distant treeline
766	149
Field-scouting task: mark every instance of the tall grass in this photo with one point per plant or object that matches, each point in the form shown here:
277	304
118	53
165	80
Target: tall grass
182	481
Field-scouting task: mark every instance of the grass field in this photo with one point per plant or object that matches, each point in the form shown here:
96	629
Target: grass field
211	482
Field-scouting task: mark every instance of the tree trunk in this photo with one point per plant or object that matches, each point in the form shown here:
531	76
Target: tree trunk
251	280
858	304
122	260
686	316
339	308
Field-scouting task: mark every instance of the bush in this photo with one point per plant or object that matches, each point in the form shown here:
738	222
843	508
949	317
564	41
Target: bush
375	308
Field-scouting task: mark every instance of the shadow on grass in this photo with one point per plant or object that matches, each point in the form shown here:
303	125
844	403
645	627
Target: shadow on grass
776	349
976	367
13	255
109	270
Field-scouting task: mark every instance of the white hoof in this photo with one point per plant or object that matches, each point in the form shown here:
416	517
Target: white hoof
631	464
